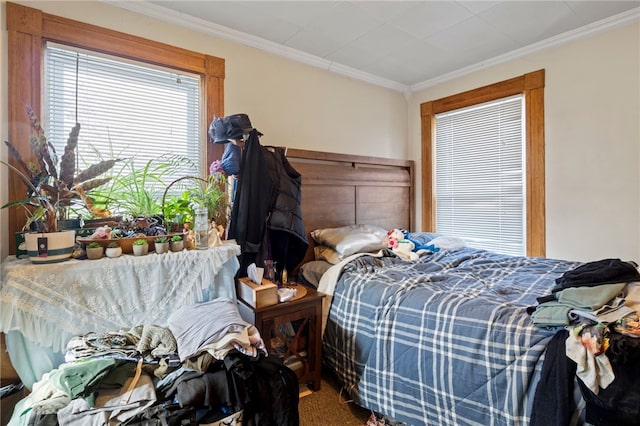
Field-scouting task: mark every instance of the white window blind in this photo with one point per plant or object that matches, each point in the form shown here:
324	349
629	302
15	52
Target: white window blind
126	109
480	175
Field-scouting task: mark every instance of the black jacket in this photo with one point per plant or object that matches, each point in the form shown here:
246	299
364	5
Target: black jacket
266	219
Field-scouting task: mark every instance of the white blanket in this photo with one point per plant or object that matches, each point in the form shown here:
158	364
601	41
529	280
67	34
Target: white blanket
329	279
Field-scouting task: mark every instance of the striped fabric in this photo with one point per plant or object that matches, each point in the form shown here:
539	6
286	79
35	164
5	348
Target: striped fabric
444	340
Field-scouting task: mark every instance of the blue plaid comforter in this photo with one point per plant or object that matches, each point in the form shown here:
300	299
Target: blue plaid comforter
444	340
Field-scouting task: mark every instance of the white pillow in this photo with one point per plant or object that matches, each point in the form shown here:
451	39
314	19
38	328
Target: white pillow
351	239
448	243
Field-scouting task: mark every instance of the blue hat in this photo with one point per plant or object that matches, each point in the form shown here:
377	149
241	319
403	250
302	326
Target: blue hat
230	127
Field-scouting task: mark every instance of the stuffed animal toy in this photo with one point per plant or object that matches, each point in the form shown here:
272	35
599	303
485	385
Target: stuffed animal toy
399	242
101	233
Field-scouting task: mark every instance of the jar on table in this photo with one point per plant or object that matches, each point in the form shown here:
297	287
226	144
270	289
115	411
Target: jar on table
201	228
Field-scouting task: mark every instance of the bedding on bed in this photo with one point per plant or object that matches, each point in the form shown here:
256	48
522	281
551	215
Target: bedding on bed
443	340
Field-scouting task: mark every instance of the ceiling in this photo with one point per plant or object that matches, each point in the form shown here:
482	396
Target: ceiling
402	45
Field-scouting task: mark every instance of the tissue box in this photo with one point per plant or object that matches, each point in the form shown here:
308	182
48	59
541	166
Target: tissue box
256	295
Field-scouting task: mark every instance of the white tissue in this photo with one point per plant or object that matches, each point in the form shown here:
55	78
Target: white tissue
255	274
285	294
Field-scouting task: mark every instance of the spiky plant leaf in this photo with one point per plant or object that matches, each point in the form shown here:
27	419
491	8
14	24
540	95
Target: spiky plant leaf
42	149
91	184
16	155
95	170
68	161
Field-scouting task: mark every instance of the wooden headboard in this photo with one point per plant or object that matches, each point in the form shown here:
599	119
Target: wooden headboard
342	189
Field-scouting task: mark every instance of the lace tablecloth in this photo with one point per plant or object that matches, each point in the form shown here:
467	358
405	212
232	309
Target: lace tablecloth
51	303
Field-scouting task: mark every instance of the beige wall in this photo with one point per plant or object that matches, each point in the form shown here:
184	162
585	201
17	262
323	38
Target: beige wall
592	132
592	126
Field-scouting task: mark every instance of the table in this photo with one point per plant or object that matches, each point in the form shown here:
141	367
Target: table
292	330
44	306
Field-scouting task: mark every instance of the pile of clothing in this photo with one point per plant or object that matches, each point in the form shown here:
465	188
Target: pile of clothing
205	367
597	304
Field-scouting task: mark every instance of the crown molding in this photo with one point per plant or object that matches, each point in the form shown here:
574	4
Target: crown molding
168	15
579	33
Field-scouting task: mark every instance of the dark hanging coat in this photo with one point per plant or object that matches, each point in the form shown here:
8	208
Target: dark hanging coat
266	219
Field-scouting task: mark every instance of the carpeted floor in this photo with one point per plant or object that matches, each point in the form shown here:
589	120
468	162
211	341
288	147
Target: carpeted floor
328	407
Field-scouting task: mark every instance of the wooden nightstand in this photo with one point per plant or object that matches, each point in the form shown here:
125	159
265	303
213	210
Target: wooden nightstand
292	330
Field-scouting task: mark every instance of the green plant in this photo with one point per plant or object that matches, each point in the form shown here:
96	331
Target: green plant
113	244
177	208
140	242
135	190
210	193
54	187
176	238
94	245
162	239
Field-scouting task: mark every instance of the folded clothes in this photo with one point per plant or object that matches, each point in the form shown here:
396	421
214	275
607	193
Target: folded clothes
607	317
605	271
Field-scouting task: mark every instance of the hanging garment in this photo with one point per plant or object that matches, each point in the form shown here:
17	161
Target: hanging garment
253	200
287	238
266	219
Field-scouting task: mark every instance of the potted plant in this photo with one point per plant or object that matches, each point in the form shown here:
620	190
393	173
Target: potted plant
196	193
54	189
162	244
136	189
177	243
113	249
95	250
177	211
140	247
213	195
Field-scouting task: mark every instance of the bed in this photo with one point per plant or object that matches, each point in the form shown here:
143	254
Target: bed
442	340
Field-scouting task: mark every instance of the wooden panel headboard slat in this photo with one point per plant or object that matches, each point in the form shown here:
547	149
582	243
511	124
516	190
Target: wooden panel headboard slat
343	189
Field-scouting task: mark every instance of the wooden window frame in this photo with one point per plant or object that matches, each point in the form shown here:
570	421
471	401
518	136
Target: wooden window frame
531	86
28	31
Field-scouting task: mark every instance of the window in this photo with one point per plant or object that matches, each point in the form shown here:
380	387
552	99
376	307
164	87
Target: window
497	208
28	32
479	172
126	109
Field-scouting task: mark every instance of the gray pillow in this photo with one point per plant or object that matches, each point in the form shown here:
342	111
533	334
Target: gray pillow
312	271
351	239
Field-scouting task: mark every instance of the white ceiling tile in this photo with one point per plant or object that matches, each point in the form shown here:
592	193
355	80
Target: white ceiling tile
315	43
473	35
302	13
431	17
530	21
386	10
383	39
590	11
238	16
345	22
223	13
476	7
